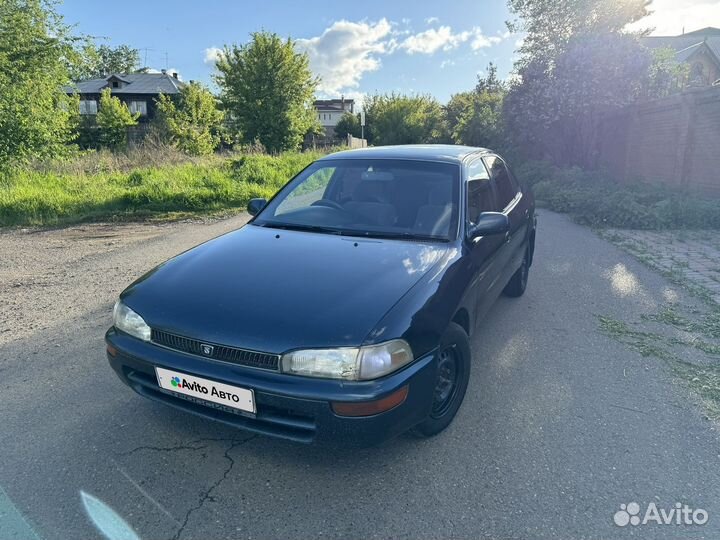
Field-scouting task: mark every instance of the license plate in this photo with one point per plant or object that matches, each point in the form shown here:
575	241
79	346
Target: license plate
197	387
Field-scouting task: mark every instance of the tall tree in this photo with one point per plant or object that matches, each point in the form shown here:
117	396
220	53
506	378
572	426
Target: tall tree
576	63
91	62
550	24
192	122
490	83
556	113
267	89
35	114
476	118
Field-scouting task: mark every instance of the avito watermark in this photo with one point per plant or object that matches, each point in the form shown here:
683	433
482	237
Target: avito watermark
679	514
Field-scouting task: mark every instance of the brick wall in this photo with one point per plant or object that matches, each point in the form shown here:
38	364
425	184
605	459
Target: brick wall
674	141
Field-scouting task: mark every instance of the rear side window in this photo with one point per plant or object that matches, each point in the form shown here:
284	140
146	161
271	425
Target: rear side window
479	191
505	187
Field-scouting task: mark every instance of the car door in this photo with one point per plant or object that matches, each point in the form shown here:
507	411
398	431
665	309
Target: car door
508	200
485	251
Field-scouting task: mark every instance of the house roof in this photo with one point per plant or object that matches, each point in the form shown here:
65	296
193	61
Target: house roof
136	83
333	104
689	43
707	31
687	52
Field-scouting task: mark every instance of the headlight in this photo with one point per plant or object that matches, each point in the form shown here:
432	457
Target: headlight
128	321
353	364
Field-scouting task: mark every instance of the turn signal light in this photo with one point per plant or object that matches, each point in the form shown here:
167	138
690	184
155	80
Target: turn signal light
369	408
112	351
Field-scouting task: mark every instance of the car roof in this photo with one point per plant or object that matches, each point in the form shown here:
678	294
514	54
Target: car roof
448	153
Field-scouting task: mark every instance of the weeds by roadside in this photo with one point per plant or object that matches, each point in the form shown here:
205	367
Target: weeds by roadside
593	198
105	186
702	378
692	352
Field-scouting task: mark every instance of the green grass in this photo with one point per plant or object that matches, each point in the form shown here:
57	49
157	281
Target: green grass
38	197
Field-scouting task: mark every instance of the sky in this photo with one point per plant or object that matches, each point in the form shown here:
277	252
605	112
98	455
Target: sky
410	46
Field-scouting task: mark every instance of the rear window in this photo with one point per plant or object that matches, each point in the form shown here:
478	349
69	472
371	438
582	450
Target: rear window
505	187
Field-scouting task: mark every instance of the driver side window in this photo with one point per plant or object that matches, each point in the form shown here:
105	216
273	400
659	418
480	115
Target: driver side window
308	192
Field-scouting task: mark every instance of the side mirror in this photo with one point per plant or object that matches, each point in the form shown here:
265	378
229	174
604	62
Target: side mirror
489	223
255	205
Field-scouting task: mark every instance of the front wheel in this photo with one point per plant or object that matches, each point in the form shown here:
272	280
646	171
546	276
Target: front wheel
453	374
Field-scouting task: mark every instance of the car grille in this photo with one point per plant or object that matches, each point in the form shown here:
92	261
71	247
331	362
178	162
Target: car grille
219	352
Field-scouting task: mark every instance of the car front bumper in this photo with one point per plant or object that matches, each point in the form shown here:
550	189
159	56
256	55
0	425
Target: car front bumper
288	406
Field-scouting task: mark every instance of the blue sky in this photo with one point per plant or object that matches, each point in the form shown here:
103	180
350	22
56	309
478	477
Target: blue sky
356	48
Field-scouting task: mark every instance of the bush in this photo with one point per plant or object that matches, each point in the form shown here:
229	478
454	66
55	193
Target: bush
192	121
591	198
113	120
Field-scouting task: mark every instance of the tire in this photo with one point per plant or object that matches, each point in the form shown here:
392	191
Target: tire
518	283
451	383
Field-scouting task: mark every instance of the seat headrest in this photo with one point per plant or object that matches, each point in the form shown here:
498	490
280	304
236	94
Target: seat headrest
370	191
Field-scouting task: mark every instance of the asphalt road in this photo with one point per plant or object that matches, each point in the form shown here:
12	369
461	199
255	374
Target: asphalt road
561	424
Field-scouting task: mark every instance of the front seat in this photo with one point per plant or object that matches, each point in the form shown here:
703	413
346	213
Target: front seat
433	219
369	205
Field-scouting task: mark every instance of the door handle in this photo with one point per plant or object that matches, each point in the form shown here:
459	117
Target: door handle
507	237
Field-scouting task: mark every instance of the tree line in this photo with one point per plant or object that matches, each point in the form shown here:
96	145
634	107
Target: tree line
576	63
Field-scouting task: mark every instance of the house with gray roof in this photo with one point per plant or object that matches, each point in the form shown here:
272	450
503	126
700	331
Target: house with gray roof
330	111
137	90
699	49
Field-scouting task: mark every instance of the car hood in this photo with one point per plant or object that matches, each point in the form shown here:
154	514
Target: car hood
274	290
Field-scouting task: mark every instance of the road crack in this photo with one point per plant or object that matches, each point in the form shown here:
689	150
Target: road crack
161	449
207	494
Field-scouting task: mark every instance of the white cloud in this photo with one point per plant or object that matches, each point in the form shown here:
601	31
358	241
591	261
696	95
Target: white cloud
212	54
446	63
432	20
669	17
169	71
443	37
480	41
347	50
434	39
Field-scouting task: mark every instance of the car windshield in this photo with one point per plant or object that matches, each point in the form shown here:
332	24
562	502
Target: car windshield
374	198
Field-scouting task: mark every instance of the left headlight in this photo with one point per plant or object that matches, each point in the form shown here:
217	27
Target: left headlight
354	364
128	321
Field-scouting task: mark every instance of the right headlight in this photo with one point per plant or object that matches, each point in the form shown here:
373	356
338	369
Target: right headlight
128	321
354	364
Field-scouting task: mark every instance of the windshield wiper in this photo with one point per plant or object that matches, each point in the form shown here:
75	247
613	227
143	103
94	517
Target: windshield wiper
397	235
300	227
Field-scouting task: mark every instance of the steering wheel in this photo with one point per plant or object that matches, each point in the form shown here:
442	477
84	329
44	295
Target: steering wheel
329	204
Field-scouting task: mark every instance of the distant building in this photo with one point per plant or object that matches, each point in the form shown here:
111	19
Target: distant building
137	90
699	49
330	111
